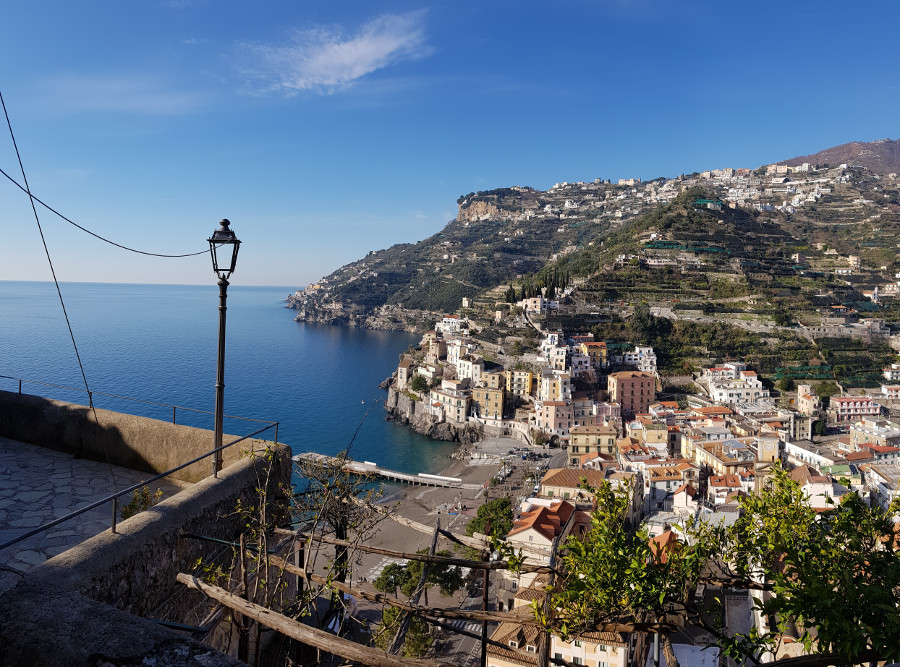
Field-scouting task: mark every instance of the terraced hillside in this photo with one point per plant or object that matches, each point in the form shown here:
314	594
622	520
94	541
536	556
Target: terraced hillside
771	235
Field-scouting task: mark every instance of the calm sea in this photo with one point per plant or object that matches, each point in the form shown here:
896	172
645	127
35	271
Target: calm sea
158	343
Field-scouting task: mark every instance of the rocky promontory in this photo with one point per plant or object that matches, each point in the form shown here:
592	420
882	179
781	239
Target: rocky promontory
310	308
404	409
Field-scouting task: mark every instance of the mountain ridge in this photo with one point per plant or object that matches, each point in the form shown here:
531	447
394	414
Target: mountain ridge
880	157
735	222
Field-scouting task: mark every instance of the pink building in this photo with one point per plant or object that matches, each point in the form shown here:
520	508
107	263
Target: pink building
556	418
634	391
853	408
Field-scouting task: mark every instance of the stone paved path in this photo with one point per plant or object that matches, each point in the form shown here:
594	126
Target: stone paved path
38	485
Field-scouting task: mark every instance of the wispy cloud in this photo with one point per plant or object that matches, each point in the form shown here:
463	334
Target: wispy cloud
130	94
326	59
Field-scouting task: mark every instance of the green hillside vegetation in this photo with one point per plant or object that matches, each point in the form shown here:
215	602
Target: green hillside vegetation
602	249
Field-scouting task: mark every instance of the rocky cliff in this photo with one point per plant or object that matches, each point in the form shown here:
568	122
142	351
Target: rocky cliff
403	409
477	210
384	318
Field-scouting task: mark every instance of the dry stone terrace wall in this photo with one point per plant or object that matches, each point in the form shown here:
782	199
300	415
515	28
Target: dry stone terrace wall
134	442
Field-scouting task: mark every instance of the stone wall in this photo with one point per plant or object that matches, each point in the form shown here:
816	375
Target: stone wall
134	442
134	569
90	596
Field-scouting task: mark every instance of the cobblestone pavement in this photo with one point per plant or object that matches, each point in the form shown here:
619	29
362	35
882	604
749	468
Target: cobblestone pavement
38	485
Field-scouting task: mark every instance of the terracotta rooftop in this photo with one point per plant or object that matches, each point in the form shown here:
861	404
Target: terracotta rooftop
664	473
570	478
728	481
547	521
521	636
688	488
807	475
714	410
631	374
878	449
662	544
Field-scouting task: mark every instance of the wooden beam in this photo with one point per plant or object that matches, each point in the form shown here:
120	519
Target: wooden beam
525	618
400	636
476	541
324	641
425	558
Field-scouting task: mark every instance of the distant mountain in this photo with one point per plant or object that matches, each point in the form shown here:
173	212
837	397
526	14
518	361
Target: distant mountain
670	240
880	157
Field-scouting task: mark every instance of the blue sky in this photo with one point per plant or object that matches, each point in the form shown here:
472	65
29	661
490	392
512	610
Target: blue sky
325	130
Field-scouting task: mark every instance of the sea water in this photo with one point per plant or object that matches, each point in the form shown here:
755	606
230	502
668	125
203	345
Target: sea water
158	343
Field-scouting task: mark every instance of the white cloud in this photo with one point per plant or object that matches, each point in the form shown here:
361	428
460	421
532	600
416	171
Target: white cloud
130	94
326	59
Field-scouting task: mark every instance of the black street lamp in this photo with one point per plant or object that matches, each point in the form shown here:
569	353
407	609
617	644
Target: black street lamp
223	247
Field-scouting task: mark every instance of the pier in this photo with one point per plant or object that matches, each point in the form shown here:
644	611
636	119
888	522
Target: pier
371	469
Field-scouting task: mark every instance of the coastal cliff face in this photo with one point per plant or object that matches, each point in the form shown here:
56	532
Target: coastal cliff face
384	318
477	210
402	409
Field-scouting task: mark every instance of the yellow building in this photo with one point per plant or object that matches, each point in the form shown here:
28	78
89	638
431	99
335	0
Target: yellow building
597	353
591	440
488	403
494	380
520	383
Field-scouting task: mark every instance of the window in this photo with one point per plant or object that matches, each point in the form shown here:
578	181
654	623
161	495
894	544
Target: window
513	643
577	642
530	649
577	661
557	656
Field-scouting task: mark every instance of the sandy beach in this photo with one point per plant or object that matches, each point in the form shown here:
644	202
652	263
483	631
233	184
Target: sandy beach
427	505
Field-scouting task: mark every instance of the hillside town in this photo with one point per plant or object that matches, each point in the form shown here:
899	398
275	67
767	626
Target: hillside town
687	457
807	222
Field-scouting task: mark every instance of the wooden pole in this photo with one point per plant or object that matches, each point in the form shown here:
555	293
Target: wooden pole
544	642
525	617
305	634
243	625
427	558
485	582
397	644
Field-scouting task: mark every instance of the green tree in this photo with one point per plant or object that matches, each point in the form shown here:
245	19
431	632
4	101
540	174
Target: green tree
826	390
392	577
406	577
419	384
787	384
819	427
498	513
616	575
447	578
417	640
835	574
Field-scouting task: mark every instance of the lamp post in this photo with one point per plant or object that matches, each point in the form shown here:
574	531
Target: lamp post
223	247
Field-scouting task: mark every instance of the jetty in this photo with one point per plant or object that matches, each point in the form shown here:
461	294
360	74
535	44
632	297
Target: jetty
370	469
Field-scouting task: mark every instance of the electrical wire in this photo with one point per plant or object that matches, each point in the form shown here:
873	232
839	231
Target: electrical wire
55	281
27	191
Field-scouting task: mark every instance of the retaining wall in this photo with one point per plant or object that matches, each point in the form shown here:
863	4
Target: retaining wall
134	442
89	598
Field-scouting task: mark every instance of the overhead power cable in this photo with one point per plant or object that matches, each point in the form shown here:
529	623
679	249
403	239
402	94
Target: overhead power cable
27	191
37	219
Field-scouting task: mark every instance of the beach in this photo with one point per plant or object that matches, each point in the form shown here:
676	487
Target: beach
428	505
